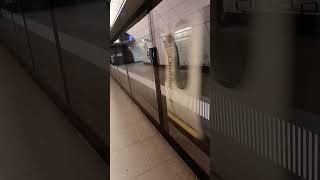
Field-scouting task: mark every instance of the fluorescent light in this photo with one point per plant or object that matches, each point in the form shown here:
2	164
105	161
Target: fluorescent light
115	9
182	30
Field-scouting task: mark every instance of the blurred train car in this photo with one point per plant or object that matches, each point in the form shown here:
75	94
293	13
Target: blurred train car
186	45
265	93
182	40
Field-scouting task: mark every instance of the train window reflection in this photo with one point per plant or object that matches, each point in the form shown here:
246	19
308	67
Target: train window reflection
179	31
140	66
186	60
181	34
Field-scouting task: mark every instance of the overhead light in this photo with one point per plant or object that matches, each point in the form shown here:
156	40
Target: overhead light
112	21
182	30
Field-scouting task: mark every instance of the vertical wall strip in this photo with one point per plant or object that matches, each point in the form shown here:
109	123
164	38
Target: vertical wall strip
245	125
299	152
33	70
58	46
213	114
271	140
218	108
254	132
241	124
234	120
125	60
265	136
294	148
222	109
274	140
304	145
227	118
257	120
310	164
161	102
283	143
279	142
249	122
288	145
316	157
261	134
14	24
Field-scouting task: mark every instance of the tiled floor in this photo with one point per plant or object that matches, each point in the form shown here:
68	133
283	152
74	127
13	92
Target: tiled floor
36	140
138	151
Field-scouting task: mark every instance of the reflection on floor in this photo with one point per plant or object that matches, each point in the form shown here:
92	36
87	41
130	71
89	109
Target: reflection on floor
138	151
37	141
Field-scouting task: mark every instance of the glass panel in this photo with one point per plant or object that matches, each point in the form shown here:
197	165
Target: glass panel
8	27
114	66
22	46
43	45
120	56
140	67
116	59
83	34
265	89
182	39
92	15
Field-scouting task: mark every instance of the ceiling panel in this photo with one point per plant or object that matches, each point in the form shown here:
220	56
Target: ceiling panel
115	8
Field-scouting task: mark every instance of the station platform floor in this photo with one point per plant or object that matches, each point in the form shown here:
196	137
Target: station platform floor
138	151
37	141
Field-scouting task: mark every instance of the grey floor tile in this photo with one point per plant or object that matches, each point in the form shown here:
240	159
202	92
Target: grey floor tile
132	135
173	169
137	148
141	157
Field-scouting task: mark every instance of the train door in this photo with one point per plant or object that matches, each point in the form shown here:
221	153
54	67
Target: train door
181	36
138	43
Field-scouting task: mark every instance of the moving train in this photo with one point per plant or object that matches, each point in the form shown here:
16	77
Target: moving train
265	89
183	59
261	76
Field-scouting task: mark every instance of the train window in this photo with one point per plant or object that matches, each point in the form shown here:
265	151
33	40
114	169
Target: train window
140	66
177	60
179	31
181	34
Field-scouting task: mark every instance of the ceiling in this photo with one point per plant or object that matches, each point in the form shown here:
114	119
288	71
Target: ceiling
115	8
132	11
